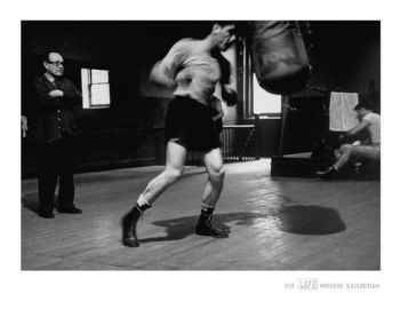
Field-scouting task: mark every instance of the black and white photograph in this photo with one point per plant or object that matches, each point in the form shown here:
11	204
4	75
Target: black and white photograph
200	145
199	154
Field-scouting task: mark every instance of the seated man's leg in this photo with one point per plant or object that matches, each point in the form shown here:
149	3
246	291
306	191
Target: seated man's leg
348	152
175	161
345	155
367	152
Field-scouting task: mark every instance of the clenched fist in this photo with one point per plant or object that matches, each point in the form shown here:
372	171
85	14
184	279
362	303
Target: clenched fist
229	95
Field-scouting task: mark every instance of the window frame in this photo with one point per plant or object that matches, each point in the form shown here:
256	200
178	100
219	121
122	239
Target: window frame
89	71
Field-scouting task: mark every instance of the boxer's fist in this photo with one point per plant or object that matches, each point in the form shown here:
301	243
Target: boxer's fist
229	95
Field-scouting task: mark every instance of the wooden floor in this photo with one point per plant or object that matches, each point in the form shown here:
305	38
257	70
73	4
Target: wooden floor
276	224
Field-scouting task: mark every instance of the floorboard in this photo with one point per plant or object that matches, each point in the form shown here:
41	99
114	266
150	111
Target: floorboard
276	224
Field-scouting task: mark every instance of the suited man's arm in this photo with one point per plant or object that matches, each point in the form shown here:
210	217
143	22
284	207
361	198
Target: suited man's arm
72	95
45	98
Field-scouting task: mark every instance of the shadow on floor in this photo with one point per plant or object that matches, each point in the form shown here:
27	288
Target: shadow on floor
309	220
297	219
180	228
30	202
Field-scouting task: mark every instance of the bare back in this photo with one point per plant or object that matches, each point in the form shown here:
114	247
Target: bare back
195	71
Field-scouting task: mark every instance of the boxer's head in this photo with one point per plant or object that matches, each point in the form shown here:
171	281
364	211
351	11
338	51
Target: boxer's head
223	35
54	64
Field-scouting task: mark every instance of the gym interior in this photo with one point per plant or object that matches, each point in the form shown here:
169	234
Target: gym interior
281	215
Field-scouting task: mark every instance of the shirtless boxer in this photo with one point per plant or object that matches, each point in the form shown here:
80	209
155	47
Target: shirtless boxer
192	68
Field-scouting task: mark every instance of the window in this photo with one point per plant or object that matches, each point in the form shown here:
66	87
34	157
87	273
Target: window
264	102
95	88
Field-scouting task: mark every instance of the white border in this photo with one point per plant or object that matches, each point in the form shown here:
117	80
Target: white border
263	289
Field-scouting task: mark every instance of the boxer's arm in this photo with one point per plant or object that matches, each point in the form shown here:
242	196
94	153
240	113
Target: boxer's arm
217	113
161	75
216	105
228	93
164	71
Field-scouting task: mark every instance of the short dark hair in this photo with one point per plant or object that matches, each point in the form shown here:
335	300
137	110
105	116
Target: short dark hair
242	27
201	28
225	22
363	102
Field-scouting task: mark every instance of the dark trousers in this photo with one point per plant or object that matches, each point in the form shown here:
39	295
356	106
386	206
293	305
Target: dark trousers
56	163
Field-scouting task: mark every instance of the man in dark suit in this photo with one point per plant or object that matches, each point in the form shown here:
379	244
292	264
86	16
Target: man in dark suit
56	99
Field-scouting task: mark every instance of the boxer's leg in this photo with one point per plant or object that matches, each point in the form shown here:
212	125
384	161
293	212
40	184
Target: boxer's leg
214	165
175	161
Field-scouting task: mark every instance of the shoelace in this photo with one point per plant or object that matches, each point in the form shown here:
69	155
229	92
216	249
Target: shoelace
216	225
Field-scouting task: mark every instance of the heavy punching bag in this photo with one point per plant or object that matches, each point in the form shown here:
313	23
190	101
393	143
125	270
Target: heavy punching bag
279	56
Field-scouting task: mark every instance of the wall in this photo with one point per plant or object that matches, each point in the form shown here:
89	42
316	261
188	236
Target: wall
346	56
113	137
129	133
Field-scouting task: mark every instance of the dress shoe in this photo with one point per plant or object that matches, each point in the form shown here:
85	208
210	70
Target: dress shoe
46	214
69	210
329	173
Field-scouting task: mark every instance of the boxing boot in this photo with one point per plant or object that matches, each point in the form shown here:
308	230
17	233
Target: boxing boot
205	226
129	222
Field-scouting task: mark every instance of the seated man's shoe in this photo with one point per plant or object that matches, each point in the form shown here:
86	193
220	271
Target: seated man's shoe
329	173
69	210
47	214
205	227
129	223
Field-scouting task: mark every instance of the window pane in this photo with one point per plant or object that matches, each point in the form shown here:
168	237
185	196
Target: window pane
100	94
85	77
265	102
99	76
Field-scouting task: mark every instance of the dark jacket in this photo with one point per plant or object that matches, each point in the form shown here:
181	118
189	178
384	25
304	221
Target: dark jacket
54	117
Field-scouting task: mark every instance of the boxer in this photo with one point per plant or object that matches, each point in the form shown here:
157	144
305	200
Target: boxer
193	69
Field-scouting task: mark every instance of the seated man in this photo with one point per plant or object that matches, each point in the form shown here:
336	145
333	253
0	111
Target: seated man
370	149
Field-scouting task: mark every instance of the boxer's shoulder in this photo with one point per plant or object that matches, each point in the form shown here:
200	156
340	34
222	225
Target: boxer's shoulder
182	47
184	43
